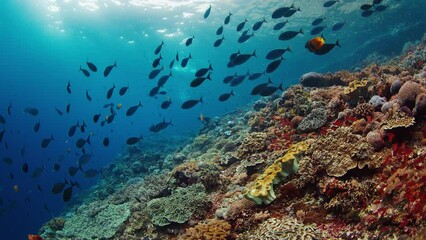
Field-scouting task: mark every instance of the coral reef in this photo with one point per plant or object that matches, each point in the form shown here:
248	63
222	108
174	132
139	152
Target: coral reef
213	229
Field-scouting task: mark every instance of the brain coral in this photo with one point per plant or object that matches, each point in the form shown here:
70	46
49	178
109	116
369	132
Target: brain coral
178	207
316	119
408	92
213	229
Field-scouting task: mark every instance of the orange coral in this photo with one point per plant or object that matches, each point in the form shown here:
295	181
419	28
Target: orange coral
213	229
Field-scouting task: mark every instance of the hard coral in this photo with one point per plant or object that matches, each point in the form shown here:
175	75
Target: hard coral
261	190
396	119
315	120
363	110
408	92
213	229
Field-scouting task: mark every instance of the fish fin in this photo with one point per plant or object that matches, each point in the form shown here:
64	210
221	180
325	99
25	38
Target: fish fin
280	87
201	99
338	43
51	137
254	52
289	49
301	31
208	77
269	80
140	104
115	64
232	92
210	67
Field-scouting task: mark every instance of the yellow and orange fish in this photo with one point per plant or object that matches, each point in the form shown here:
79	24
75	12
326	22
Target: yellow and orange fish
315	44
34	237
201	118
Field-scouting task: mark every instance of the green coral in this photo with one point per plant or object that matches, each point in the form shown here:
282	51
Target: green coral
103	225
178	207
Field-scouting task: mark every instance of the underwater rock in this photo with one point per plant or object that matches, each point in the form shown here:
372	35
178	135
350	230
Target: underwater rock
395	86
375	139
408	92
316	119
377	102
313	79
420	106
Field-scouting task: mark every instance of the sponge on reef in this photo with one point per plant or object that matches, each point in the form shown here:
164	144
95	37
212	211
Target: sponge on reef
261	190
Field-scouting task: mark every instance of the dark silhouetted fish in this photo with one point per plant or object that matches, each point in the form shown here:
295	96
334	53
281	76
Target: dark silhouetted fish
337	26
36	173
274	65
238	79
166	104
219	31
317	30
56	167
177	57
92	66
366	6
105	142
133	109
156	61
110	91
279	12
227	19
133	140
377	2
367	13
9	109
207	12
201	72
218	42
257	25
162	92
380	8
226	96
25	168
68	108
22	152
123	90
96	117
257	89
8	160
318	21
110	118
280	25
39	188
81	142
229	78
88	97
330	3
245	37
58	187
255	76
171	64
269	90
233	55
45	142
163	79
66	196
2	134
191	103
241	25
72	171
189	41
199	80
60	113
154	91
31	111
71	130
158	49
85	72
154	73
327	48
2	119
90	173
185	61
291	12
240	59
277	53
69	87
108	69
287	35
84	159
83	127
160	126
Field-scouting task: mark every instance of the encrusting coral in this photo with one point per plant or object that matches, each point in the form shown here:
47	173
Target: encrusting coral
213	229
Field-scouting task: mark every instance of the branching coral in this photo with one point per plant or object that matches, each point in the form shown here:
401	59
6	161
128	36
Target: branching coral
395	119
213	229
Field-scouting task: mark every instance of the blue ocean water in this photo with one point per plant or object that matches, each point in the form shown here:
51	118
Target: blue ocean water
44	43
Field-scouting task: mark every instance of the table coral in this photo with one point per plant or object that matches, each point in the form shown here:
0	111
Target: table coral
314	120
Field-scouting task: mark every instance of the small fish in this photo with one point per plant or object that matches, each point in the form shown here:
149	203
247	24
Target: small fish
380	8
367	13
8	160
327	47
245	37
39	188
163	79
171	64
219	31
185	61
291	12
207	12
123	90
31	111
226	96
9	109
257	25
110	118
133	109
189	41
318	21
279	12
218	42
133	140
199	80
84	159
154	91
191	103
56	167
366	6
255	76
330	3
154	73
156	61
36	126
160	126
45	142
315	44
66	196
105	142
69	87
277	53
1	135
257	89
269	90
287	35
238	79
227	19
92	66
25	167
280	25
2	119
37	172
166	104
81	142
85	72
241	25
108	69
240	59
60	113
91	173
96	117
83	127
16	188
201	72
34	237
58	187
68	108
88	97
158	49
317	30
72	171
229	78
110	91
177	57
201	117
71	130
337	26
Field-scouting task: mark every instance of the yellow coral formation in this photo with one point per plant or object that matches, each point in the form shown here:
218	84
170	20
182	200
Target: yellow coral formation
356	86
261	190
214	229
397	119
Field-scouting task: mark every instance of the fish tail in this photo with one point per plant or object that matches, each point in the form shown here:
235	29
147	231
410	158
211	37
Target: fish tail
254	52
201	99
338	43
289	49
264	20
115	64
171	123
232	92
269	80
301	31
140	104
51	137
208	77
280	87
210	67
